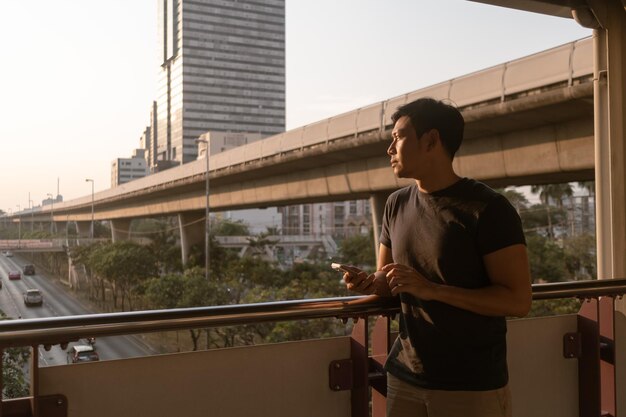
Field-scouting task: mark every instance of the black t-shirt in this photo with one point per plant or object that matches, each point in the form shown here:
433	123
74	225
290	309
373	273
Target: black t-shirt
444	236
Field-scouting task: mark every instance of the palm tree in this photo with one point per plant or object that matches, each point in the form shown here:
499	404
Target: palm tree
517	199
548	192
590	186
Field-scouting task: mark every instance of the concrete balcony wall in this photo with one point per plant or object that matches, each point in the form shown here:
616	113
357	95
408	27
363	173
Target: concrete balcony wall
279	380
543	382
289	379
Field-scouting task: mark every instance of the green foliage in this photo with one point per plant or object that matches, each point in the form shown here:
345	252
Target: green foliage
358	250
541	308
540	218
547	263
227	227
517	199
166	251
556	192
123	266
580	256
14	384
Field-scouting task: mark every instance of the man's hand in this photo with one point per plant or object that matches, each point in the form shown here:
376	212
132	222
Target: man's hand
373	284
402	278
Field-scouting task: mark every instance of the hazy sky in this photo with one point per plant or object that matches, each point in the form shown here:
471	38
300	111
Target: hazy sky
78	76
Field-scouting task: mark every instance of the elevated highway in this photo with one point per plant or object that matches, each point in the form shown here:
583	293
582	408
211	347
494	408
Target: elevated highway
528	121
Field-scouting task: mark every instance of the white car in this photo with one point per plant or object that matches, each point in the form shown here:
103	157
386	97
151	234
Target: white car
82	353
8	254
33	297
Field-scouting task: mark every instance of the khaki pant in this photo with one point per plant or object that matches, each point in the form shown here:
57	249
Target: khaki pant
405	400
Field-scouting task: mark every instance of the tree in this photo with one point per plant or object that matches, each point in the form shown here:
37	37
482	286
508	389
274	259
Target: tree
534	219
580	256
358	250
166	251
517	199
230	228
546	259
14	384
186	290
548	192
261	243
124	265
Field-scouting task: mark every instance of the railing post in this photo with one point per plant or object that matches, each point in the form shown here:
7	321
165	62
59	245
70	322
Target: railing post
34	380
1	380
380	349
359	350
596	366
608	397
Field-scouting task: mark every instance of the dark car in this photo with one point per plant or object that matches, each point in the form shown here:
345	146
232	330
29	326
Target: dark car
82	353
15	275
29	269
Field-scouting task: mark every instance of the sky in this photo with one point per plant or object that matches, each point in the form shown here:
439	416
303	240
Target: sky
78	76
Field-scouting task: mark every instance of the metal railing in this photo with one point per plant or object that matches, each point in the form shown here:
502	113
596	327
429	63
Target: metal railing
363	364
55	330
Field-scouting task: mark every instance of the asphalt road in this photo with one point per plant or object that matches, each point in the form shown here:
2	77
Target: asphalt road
57	301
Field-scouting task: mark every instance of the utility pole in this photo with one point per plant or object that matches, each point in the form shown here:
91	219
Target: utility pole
207	222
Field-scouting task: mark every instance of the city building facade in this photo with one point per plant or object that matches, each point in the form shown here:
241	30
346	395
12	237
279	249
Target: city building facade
222	69
128	169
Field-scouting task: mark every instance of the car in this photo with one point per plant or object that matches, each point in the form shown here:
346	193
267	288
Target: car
33	297
15	275
8	254
82	353
29	269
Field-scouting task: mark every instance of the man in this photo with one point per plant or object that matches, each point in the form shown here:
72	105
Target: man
453	250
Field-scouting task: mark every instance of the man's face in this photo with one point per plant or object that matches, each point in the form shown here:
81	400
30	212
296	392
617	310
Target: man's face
406	150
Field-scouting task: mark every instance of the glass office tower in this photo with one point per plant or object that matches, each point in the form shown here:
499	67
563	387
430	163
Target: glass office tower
222	70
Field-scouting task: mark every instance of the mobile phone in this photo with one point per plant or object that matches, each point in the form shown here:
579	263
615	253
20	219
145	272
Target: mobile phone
342	268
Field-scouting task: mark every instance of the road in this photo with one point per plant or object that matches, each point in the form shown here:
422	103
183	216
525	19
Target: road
57	301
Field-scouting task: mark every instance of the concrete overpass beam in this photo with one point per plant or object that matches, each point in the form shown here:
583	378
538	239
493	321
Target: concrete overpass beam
191	231
120	229
377	207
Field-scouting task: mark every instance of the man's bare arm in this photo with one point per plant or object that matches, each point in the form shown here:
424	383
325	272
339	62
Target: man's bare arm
509	294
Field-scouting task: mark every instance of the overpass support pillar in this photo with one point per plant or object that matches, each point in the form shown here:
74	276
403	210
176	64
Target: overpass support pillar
120	229
377	206
191	231
83	229
610	137
609	96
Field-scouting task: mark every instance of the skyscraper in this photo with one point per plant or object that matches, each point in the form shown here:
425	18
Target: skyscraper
222	70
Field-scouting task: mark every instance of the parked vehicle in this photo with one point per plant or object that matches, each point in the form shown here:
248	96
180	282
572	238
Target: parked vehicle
33	297
8	254
15	275
82	353
29	269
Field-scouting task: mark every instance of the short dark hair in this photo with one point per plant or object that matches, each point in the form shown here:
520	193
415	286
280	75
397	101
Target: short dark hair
427	113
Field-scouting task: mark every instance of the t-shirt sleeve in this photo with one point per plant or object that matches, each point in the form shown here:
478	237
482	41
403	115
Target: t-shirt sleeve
499	226
385	238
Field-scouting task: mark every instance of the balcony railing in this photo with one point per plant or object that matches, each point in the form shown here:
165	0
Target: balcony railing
560	366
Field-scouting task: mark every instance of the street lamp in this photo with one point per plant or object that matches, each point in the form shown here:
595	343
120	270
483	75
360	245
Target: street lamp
32	214
19	227
207	223
92	182
51	214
